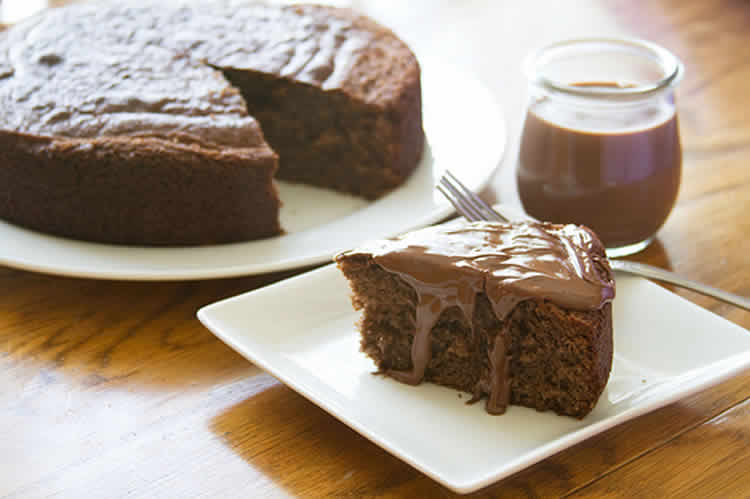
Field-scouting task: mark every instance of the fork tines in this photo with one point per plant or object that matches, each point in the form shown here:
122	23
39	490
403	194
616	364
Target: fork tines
465	201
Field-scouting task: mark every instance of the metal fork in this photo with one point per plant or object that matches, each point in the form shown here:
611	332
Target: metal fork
474	209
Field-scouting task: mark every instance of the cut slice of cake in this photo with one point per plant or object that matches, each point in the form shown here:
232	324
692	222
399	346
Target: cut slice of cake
520	313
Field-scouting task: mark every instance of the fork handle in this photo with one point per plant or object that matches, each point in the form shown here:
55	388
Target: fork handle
658	274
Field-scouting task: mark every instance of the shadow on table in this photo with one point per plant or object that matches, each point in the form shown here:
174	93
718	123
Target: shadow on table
92	333
306	451
654	254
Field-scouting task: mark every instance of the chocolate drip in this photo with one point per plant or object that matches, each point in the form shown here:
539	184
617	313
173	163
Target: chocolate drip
432	300
500	373
428	312
448	266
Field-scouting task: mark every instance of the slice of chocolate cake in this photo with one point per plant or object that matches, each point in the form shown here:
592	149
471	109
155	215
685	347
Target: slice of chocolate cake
518	312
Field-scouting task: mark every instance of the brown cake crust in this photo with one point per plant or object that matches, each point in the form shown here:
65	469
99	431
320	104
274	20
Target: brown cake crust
369	117
144	190
95	91
559	359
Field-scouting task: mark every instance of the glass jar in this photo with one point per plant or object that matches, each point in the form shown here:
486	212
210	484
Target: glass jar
600	144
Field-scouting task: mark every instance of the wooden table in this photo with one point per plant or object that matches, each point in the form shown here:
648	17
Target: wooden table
114	388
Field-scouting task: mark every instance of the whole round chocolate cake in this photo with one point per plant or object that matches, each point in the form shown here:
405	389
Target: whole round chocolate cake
165	125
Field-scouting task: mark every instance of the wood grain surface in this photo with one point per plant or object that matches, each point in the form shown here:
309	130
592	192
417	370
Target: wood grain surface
111	389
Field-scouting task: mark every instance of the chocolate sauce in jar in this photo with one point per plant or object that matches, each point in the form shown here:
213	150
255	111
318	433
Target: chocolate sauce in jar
616	171
600	145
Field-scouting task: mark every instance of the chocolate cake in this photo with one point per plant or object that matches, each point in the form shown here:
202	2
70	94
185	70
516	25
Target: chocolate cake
520	313
165	125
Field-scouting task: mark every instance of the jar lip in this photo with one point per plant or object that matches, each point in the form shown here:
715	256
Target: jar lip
673	69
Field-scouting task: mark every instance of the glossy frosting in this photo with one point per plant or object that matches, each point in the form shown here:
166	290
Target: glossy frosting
106	69
448	266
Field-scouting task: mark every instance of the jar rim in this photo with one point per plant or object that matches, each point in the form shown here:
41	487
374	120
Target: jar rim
672	67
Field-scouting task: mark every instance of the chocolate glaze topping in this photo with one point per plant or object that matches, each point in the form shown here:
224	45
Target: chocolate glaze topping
449	265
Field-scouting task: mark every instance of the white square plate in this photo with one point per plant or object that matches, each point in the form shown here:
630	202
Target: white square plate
302	331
